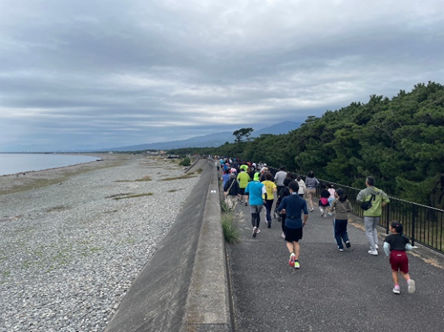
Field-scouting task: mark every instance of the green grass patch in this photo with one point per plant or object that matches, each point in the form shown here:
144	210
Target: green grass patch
229	227
57	208
173	190
144	179
182	177
128	195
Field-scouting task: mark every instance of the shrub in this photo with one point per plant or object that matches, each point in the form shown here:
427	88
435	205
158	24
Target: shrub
185	162
231	233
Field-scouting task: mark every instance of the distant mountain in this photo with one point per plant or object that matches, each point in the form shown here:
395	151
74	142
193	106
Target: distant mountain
210	140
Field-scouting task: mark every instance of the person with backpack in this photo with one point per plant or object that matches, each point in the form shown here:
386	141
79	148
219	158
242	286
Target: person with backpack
372	201
231	191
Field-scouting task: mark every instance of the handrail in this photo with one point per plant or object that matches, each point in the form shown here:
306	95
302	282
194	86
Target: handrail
423	224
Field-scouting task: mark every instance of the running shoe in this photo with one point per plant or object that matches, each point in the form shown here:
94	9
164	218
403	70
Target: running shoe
254	231
283	235
291	262
376	246
258	230
297	265
397	290
347	244
373	252
411	286
341	249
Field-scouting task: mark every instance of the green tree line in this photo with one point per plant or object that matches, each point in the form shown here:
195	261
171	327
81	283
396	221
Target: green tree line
400	141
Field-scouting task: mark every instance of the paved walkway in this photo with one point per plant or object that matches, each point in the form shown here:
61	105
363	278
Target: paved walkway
333	291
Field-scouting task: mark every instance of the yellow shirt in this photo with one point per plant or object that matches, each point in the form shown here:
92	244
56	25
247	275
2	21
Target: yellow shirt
270	187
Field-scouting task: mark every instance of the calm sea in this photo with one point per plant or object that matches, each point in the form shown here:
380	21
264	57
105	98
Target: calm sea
11	163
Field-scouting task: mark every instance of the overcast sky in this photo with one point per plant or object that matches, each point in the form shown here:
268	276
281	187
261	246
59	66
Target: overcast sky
93	74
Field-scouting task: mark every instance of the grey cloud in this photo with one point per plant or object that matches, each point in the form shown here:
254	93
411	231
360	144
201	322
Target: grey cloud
135	71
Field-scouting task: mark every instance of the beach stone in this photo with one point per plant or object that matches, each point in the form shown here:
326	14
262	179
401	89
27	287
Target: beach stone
70	259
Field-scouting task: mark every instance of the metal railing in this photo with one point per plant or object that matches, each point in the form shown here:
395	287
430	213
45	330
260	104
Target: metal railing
421	223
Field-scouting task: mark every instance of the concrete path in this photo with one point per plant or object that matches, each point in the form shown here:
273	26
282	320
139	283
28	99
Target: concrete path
333	291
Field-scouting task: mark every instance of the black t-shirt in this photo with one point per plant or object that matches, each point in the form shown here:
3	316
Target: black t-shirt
397	241
325	193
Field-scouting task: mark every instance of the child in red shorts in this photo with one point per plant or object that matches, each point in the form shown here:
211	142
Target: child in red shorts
395	246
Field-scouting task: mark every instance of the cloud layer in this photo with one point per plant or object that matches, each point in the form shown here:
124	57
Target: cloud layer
105	73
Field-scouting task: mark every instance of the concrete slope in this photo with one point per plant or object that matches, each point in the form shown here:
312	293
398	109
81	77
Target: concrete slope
157	300
333	291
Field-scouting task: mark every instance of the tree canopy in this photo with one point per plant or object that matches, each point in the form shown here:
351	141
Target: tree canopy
400	141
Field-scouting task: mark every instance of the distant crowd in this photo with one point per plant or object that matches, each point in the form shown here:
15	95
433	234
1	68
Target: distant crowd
289	197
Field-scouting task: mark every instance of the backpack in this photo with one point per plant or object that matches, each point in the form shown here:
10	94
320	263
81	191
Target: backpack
368	204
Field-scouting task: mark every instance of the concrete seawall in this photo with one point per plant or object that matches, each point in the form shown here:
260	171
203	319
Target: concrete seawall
184	287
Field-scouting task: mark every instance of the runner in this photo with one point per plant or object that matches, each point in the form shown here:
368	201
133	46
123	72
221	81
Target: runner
279	178
341	205
293	206
243	178
311	182
395	246
255	190
271	189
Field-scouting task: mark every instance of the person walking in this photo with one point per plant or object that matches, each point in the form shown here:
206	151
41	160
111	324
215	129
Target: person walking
323	201
225	177
395	246
302	187
231	191
342	207
311	182
255	190
375	200
293	206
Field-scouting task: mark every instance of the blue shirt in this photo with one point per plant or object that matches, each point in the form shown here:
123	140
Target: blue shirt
225	178
294	205
255	189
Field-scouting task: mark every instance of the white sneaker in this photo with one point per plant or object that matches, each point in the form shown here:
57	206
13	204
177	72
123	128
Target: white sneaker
396	290
376	246
254	231
373	252
411	286
283	235
258	231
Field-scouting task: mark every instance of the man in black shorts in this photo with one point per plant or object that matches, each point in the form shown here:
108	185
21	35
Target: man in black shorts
293	206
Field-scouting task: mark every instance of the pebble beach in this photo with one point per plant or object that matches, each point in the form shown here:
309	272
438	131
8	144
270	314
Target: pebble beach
73	239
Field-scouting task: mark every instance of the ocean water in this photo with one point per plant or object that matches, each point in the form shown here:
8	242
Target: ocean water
11	163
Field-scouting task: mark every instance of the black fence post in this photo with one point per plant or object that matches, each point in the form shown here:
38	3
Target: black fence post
413	224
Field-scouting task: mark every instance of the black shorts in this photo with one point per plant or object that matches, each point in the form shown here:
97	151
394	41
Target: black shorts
293	234
241	191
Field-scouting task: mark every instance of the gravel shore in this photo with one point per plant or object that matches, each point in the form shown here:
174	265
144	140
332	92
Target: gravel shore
71	247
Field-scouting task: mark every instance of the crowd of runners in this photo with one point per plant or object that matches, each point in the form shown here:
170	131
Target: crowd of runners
290	197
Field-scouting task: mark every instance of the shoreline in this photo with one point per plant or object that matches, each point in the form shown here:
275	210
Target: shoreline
96	155
22	181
